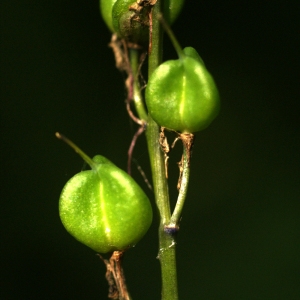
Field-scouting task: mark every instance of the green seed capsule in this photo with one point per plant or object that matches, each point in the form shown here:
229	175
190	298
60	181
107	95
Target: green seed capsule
181	94
106	12
130	18
172	9
104	208
130	24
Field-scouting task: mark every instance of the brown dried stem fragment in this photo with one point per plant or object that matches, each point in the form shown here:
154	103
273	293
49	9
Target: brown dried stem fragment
180	166
163	141
119	48
115	277
188	142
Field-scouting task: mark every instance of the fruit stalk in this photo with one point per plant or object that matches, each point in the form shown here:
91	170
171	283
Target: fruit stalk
137	96
184	176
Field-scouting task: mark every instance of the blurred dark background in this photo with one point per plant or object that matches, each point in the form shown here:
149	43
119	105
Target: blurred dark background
240	231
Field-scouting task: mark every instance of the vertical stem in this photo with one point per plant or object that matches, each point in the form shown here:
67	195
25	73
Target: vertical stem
156	42
167	249
166	253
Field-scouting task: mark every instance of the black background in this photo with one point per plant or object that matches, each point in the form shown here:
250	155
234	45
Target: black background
240	230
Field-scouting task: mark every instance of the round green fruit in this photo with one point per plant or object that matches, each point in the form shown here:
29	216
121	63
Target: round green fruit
181	95
104	208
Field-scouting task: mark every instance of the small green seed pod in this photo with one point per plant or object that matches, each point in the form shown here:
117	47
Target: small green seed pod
172	9
130	18
181	94
131	21
104	208
106	12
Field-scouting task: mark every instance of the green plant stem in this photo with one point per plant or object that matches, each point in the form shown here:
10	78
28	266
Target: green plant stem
167	254
172	37
174	223
137	95
86	158
167	250
167	244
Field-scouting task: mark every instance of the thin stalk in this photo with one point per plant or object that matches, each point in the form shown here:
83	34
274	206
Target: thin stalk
172	36
86	158
184	180
137	96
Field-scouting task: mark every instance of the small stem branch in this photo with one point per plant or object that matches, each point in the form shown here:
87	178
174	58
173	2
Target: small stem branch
184	176
86	158
183	187
137	96
134	93
172	37
132	145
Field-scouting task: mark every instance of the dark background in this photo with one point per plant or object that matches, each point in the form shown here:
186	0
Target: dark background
240	230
